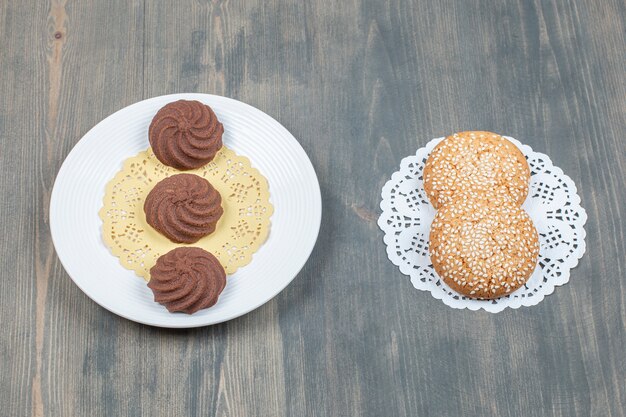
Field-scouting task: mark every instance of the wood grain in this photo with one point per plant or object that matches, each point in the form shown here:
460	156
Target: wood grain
361	84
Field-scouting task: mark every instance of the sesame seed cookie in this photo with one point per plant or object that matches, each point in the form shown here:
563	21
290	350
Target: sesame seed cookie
483	245
475	161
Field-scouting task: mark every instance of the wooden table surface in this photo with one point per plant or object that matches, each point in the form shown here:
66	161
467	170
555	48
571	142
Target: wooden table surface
361	84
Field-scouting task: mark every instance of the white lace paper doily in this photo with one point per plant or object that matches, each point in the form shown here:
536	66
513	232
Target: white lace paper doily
552	203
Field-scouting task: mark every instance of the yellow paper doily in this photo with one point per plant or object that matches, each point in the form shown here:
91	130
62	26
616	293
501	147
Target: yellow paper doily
241	230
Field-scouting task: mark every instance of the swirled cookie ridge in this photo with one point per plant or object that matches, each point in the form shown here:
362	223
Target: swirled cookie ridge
183	207
187	280
185	134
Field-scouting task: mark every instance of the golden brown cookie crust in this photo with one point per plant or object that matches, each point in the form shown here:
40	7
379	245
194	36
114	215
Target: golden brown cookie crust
483	245
475	160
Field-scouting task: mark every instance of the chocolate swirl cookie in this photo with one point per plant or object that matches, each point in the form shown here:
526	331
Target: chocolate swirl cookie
185	134
183	207
187	280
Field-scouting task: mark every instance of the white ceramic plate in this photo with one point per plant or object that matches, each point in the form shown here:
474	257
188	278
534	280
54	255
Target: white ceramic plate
79	189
